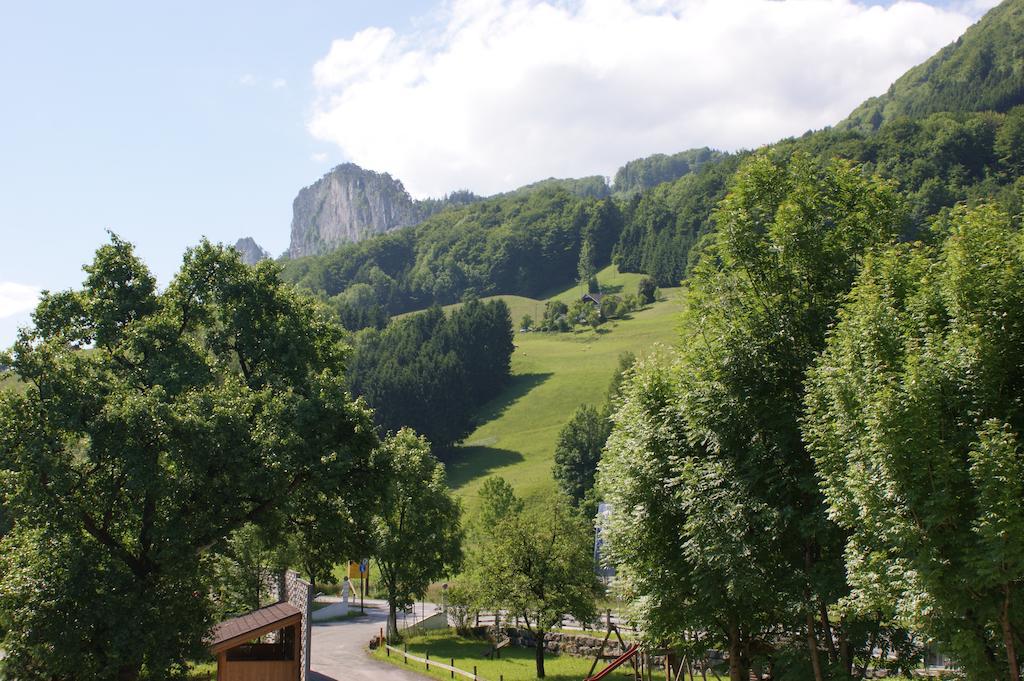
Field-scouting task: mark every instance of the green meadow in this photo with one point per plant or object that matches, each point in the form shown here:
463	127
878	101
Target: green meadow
552	374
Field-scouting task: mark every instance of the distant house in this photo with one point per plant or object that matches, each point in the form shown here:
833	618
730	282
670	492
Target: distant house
594	298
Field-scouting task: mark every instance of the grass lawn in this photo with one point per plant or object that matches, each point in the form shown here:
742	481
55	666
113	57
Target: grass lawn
552	374
516	664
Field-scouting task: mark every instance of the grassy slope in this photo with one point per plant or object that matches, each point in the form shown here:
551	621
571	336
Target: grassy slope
552	375
611	282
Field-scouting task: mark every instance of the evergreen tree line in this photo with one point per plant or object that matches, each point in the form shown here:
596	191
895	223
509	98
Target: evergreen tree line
431	371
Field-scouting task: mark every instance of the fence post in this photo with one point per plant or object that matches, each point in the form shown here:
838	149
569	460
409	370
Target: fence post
608	619
428	659
453	668
405	650
474	672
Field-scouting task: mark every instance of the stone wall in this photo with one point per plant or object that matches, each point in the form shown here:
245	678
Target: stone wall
577	645
297	591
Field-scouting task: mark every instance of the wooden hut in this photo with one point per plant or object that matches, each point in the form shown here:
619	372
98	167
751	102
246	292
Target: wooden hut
243	656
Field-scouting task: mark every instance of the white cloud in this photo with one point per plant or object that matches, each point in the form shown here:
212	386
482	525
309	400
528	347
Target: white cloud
248	80
318	157
503	92
17	298
279	83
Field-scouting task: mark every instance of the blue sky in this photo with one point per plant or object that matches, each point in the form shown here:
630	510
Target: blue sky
168	122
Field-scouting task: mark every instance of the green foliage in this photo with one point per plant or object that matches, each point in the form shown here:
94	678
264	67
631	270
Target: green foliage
578	450
648	172
497	501
980	71
556	316
647	291
706	460
242	571
914	416
527	323
538	565
430	371
154	425
662	225
417	532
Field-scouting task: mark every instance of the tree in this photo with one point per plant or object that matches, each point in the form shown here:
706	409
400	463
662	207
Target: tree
242	571
914	420
790	241
155	424
578	450
527	323
417	534
497	501
647	291
539	565
586	269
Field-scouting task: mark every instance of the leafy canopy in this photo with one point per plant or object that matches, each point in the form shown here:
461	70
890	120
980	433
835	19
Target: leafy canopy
155	424
915	414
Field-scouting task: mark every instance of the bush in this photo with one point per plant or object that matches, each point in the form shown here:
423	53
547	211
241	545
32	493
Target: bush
462	601
647	291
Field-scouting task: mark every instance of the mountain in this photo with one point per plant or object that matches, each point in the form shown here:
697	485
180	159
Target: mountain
982	71
350	203
251	251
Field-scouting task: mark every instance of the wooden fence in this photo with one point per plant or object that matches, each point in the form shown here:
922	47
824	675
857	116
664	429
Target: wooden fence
490	619
439	665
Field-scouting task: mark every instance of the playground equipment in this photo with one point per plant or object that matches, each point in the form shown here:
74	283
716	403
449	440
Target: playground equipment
628	656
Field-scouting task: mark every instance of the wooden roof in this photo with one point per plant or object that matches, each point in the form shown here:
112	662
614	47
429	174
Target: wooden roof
239	630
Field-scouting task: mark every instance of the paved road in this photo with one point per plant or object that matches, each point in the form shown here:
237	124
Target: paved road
339	648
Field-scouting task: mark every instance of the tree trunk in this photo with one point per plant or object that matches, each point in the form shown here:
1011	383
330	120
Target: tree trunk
392	622
1011	649
812	647
539	654
738	670
871	647
827	626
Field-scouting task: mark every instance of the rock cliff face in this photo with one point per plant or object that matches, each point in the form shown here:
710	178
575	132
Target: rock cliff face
345	205
251	251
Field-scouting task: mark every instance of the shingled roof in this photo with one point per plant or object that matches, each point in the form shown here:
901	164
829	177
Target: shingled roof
238	630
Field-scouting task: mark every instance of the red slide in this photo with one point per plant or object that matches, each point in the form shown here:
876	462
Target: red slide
616	663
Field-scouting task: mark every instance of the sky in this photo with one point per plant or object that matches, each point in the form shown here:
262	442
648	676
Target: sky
169	122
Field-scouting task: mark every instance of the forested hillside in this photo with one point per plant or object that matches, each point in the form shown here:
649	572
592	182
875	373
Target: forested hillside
948	131
982	71
431	371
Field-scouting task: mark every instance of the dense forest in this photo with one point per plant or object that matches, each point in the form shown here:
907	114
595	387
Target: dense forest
430	371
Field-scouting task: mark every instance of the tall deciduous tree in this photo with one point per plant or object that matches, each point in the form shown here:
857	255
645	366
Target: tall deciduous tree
915	419
578	450
417	531
539	565
155	424
746	506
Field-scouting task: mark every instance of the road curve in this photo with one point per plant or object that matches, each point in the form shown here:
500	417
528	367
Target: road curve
339	650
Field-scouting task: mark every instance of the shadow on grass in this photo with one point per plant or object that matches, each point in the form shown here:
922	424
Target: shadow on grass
519	385
469	463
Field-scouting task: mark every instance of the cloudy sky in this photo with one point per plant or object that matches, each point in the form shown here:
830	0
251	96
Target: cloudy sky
166	124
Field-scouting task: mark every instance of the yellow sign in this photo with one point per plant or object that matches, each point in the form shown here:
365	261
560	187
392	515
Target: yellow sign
353	570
